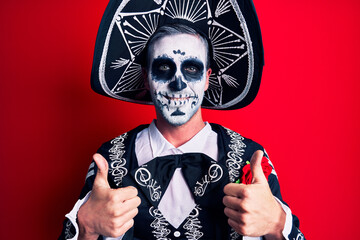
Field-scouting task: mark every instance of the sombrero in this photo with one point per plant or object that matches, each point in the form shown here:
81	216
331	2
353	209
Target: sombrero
231	26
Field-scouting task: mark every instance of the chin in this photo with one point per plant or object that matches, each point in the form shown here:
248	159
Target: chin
177	121
176	117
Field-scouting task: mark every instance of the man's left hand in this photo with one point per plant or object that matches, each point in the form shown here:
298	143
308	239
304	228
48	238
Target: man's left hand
252	209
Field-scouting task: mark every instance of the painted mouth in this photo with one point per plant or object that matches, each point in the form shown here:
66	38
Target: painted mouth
176	99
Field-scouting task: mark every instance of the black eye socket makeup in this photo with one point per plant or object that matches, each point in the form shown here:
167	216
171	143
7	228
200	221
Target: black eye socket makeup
163	69
192	69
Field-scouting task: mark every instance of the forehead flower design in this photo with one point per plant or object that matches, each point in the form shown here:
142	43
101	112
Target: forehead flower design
230	25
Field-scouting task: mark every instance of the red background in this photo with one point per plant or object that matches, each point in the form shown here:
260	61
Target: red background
306	113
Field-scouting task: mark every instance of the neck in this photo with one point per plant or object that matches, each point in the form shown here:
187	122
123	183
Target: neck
178	135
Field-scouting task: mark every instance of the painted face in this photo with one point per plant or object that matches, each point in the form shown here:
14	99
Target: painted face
177	76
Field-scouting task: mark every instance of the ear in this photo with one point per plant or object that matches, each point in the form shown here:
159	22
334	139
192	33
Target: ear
145	77
208	73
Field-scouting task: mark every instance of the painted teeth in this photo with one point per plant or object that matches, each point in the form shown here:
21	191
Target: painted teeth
181	99
178	98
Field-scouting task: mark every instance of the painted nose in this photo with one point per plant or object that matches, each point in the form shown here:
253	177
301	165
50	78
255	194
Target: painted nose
177	84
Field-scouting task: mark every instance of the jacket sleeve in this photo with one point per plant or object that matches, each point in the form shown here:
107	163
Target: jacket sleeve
291	229
114	152
70	228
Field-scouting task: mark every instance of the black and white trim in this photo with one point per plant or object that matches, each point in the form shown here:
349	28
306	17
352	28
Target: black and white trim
161	231
117	161
193	225
235	161
144	178
215	173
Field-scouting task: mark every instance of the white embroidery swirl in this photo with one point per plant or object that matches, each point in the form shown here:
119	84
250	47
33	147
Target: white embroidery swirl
159	224
300	236
234	235
68	233
117	169
234	161
193	225
143	178
215	173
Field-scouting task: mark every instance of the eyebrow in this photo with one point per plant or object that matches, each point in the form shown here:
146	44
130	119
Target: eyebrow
194	61
164	56
182	59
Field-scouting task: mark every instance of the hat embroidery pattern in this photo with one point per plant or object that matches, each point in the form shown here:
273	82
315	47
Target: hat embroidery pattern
131	29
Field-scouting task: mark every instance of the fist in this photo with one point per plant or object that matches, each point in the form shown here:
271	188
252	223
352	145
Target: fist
108	212
252	209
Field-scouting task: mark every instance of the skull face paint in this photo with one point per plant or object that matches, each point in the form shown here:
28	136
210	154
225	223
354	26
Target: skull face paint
177	76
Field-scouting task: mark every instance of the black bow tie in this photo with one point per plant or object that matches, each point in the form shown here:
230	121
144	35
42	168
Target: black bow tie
202	174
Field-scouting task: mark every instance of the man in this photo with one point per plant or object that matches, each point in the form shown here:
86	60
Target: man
182	168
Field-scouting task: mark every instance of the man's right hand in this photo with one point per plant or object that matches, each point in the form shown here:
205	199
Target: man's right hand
108	212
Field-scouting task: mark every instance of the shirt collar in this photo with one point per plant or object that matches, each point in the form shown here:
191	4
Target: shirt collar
160	146
158	143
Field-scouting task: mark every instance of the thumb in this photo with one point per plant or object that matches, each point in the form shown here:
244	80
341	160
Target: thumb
102	172
256	169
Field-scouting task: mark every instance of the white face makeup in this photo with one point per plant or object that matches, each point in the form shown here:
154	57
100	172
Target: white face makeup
177	76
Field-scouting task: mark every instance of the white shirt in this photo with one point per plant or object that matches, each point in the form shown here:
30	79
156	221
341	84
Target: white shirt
177	201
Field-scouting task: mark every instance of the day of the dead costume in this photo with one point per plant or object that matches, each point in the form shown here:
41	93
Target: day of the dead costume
204	176
236	54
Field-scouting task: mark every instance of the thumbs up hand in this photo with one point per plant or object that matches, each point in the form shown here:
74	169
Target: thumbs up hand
108	212
252	209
